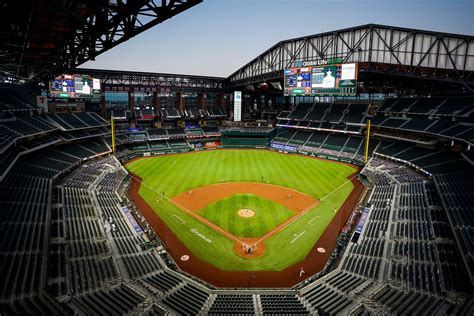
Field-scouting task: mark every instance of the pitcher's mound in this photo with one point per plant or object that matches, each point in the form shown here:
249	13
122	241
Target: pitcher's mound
246	212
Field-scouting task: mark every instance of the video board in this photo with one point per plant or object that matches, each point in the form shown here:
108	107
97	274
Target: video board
321	80
62	87
74	86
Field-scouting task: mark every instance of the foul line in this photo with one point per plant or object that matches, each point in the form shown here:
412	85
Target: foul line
229	235
311	221
182	220
200	219
297	236
348	180
286	223
302	213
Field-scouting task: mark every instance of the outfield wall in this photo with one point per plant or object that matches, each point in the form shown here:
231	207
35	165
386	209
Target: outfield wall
313	263
243	146
244	142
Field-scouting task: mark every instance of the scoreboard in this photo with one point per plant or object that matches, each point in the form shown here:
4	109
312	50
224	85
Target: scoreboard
72	86
62	87
313	79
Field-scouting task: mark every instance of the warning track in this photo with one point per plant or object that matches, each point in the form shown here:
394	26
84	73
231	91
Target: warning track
313	263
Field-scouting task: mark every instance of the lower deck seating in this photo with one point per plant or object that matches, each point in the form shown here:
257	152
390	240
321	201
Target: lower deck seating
41	304
116	301
187	300
325	144
24	201
335	142
456	194
284	136
412	303
282	304
162	281
327	301
233	304
410	240
405	206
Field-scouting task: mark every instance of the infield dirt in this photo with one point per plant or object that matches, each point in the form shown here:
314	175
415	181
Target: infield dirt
313	263
202	196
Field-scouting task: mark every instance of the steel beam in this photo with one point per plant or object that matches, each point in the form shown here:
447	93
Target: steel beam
377	45
61	35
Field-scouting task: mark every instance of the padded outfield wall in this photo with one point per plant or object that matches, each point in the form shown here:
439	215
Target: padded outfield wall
238	276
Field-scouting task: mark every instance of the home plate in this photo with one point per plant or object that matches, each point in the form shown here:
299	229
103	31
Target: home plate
184	258
321	250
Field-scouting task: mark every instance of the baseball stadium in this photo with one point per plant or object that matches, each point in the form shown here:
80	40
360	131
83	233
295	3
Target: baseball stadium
330	174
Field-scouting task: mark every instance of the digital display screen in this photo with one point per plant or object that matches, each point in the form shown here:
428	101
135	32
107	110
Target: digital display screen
62	87
337	79
83	85
74	86
290	81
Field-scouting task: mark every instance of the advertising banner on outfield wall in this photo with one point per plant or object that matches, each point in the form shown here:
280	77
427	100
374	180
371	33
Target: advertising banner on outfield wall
237	106
212	144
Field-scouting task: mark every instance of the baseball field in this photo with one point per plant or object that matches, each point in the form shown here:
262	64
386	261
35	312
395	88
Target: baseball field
244	210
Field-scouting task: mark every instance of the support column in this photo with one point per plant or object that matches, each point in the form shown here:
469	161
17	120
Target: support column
131	101
156	101
180	101
221	102
202	101
102	100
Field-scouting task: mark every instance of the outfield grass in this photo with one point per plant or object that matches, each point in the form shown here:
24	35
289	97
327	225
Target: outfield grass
224	213
174	174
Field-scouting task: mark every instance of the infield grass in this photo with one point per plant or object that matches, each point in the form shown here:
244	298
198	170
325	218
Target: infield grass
224	213
174	174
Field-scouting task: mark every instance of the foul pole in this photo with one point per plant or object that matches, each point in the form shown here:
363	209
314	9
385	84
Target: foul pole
112	125
367	137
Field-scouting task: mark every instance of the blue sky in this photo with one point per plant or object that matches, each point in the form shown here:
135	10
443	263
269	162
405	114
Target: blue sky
217	37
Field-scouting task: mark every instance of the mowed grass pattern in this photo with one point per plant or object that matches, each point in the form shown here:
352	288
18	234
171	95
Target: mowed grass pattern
174	174
224	213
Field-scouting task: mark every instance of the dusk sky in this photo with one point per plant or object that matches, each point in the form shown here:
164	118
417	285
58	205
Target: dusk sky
217	37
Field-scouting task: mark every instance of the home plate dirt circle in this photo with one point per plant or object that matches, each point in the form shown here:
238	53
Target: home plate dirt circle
246	212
